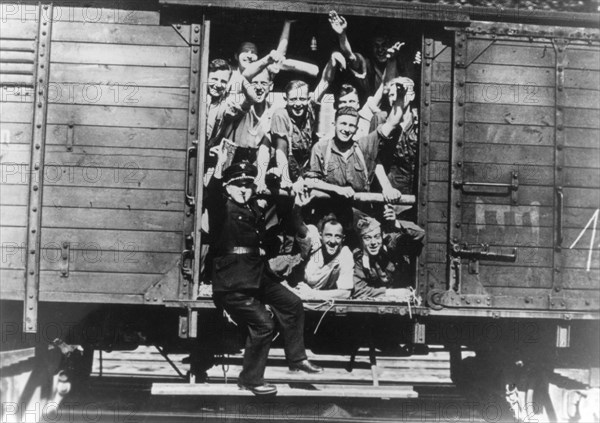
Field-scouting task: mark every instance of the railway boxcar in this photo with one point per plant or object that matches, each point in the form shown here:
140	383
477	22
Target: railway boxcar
102	110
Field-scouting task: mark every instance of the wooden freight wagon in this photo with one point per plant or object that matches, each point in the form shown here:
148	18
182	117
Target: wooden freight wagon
102	107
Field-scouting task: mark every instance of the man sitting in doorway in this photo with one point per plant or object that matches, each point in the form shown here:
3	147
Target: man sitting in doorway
380	270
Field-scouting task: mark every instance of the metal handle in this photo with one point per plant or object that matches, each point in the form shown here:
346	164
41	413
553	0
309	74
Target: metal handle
512	187
190	200
560	206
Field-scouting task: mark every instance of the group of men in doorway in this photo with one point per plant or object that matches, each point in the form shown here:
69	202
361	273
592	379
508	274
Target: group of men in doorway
283	223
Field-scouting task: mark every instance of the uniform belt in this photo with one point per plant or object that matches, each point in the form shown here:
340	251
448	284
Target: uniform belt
246	250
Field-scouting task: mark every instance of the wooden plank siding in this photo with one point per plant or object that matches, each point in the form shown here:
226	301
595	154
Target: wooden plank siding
118	99
508	126
581	171
17	57
511	127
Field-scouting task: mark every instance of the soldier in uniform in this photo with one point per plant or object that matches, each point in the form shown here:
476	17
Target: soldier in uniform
243	283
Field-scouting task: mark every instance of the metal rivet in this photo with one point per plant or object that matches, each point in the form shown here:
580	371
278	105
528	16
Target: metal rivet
196	29
457	225
192	131
32	251
34	209
35	187
459	143
459	164
37	146
32	272
194	70
458	204
36	166
33	231
40	105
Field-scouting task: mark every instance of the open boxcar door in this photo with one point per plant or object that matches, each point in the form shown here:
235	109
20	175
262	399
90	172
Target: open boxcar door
102	130
524	169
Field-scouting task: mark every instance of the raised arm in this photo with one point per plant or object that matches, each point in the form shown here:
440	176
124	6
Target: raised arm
328	74
257	67
339	25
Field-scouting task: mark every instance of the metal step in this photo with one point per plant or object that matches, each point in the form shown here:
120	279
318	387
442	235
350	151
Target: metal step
291	390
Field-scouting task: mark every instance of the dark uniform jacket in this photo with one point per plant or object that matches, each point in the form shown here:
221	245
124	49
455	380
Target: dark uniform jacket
232	225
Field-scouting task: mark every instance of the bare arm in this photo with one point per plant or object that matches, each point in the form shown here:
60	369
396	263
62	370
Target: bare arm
281	158
390	194
328	74
339	25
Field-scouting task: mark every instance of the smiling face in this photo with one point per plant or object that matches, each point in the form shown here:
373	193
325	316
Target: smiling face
297	101
217	82
345	127
349	100
240	191
372	242
379	48
262	85
332	238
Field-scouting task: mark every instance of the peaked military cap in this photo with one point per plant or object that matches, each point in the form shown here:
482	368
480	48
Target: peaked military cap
241	171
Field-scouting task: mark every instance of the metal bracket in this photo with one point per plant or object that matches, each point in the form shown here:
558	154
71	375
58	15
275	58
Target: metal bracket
65	255
491	188
563	336
341	310
166	288
34	212
481	252
425	135
188	325
560	49
189	33
70	136
476	252
184	32
418	333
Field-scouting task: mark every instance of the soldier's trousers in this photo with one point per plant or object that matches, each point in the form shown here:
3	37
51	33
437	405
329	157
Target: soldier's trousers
247	308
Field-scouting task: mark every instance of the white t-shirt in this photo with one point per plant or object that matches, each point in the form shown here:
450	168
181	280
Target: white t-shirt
336	274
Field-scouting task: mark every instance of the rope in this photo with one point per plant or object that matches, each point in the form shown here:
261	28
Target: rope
331	303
